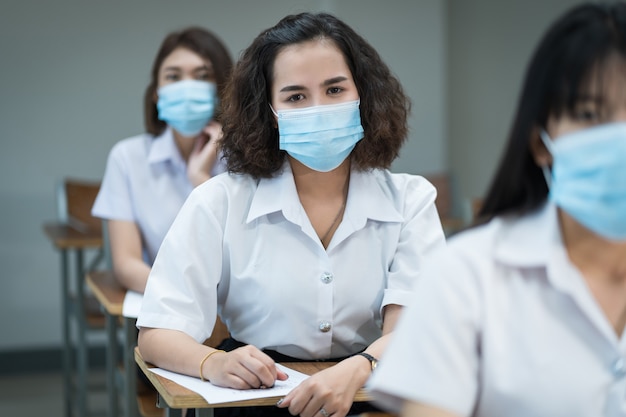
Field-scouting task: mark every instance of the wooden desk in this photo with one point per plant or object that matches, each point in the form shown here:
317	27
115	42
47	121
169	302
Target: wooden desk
175	397
66	239
111	295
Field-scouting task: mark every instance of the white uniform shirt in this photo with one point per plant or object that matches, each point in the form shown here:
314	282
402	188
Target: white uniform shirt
502	324
246	249
145	182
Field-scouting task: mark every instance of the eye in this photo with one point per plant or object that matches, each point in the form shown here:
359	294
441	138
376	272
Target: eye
294	98
335	90
172	77
204	75
587	115
589	110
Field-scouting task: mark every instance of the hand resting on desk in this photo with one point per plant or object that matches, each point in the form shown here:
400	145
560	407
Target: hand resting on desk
243	368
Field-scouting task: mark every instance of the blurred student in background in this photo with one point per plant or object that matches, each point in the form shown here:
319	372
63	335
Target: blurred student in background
149	176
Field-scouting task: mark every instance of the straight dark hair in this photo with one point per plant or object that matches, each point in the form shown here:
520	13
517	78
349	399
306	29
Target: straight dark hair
250	142
568	60
200	41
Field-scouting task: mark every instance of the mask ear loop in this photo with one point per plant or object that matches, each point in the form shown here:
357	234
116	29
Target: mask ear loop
273	111
547	172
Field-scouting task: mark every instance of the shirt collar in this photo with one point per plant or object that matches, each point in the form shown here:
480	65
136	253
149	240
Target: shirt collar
534	241
529	241
275	194
370	199
163	148
366	199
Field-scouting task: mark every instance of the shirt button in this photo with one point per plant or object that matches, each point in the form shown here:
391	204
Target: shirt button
327	277
619	368
325	326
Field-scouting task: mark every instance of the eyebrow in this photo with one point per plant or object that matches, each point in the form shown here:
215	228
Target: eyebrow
292	88
588	98
198	68
330	81
334	80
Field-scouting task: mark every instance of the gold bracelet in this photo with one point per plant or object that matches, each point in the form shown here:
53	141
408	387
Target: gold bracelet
204	360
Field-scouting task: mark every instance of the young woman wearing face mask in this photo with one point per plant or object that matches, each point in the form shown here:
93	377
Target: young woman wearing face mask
148	177
524	315
308	248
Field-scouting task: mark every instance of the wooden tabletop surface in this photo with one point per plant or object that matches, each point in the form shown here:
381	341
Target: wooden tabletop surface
107	290
65	236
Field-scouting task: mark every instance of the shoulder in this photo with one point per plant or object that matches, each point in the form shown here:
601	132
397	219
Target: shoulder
477	241
225	189
222	199
409	194
475	251
407	185
132	146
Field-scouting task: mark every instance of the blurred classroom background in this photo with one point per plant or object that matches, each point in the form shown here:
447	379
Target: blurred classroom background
74	74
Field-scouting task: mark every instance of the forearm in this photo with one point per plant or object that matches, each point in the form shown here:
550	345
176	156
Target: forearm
413	409
198	177
127	255
244	368
172	350
132	274
360	367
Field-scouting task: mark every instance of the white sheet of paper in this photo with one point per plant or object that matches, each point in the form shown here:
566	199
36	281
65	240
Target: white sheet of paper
132	304
216	395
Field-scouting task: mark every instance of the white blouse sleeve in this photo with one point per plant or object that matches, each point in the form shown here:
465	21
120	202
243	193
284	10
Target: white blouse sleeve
420	238
181	293
114	198
433	356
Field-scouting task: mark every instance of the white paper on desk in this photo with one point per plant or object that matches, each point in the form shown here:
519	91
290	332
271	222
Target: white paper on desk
132	304
216	395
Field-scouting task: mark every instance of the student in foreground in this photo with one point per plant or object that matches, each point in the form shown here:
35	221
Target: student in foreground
524	315
308	248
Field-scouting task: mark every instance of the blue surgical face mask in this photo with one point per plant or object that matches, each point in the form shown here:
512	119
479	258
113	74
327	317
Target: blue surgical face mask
187	106
588	179
321	137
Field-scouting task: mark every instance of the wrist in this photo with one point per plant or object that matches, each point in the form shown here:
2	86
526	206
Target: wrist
198	178
360	369
371	360
205	359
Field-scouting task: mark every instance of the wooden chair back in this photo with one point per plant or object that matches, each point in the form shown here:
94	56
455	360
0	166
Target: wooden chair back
75	197
443	202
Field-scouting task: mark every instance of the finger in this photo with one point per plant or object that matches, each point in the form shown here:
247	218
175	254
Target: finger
236	382
299	402
312	408
283	403
281	376
242	378
199	142
264	368
258	364
213	129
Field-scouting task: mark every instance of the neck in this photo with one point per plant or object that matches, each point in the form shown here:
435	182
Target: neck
184	144
596	257
320	185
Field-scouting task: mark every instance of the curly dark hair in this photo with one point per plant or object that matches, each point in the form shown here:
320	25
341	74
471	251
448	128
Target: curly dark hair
250	142
199	40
